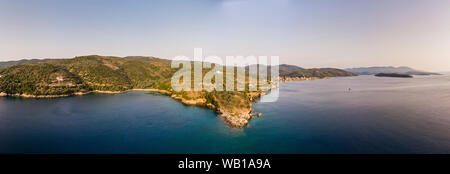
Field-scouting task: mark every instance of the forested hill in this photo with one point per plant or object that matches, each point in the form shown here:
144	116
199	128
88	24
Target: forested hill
106	73
316	72
85	73
293	71
24	61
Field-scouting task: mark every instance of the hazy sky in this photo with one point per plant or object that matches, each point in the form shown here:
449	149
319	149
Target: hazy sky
308	33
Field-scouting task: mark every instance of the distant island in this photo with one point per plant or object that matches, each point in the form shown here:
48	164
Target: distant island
46	78
393	75
388	69
311	74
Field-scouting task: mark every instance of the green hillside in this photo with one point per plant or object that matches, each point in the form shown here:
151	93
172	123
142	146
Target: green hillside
40	79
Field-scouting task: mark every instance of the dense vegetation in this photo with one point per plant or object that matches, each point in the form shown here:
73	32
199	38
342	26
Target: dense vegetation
318	72
39	79
286	69
103	73
85	73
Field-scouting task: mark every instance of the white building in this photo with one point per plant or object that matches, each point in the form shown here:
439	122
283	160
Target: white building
59	78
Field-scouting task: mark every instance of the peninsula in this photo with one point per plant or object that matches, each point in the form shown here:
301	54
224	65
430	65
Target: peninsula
45	78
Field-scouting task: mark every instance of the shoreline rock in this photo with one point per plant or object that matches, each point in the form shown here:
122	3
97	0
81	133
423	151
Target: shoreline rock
236	120
3	94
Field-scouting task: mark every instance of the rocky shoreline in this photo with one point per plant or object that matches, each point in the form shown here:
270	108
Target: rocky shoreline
3	94
236	119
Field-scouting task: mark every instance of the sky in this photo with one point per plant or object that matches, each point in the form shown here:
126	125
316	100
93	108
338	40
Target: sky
307	33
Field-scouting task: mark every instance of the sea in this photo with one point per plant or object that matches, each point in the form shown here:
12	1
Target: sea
345	115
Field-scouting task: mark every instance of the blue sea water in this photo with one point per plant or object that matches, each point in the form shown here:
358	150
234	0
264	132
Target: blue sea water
376	115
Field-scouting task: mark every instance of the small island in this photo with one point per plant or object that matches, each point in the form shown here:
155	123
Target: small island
393	75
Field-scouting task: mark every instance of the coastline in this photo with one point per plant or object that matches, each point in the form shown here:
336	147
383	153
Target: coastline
236	119
3	94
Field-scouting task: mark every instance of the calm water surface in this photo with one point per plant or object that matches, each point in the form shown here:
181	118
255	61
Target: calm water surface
378	115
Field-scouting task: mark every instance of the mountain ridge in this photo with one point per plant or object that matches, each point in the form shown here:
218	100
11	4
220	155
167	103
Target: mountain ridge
388	69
